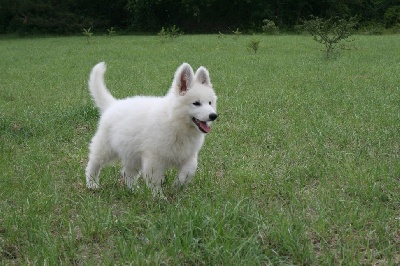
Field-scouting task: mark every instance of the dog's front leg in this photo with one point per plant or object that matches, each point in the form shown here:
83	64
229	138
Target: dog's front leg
186	172
92	175
153	173
130	173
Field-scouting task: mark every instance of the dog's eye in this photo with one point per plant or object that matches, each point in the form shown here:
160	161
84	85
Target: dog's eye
209	103
197	103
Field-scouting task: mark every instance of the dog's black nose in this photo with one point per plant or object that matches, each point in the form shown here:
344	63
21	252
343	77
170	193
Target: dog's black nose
213	116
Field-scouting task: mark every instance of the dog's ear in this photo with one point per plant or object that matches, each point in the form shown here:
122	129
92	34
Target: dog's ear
203	77
183	78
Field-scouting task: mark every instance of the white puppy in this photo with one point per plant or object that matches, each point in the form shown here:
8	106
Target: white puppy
152	134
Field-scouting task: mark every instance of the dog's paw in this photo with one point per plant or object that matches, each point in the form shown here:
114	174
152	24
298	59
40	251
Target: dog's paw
179	184
158	193
92	185
131	183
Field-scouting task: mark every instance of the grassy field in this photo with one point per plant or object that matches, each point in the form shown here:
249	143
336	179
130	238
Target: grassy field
302	166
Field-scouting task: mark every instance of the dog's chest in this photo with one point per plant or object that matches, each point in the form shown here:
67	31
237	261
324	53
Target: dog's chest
182	148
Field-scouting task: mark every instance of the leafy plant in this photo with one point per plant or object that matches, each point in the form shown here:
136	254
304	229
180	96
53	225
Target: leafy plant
221	35
171	32
111	31
254	45
87	33
269	27
237	33
331	32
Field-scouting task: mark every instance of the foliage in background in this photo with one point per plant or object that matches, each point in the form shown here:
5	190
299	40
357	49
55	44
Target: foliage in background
392	16
170	32
332	32
269	27
201	16
61	17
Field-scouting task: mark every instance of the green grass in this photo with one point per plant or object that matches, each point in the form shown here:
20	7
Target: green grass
302	166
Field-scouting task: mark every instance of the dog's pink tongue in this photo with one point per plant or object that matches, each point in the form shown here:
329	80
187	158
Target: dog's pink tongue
205	127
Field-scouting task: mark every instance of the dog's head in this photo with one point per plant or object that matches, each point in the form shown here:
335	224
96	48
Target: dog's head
195	96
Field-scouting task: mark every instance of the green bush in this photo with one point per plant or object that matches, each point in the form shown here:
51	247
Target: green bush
88	33
254	45
331	32
111	31
236	33
171	32
269	27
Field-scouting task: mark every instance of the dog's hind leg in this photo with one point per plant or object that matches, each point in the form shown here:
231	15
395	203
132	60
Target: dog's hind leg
186	172
100	154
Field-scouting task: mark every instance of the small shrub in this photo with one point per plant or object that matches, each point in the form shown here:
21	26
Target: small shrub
87	33
111	31
269	27
254	45
171	32
237	33
331	32
221	35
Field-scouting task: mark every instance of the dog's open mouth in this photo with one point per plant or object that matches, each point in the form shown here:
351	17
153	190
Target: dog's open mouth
203	127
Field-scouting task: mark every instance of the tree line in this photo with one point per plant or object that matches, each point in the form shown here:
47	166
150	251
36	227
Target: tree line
191	16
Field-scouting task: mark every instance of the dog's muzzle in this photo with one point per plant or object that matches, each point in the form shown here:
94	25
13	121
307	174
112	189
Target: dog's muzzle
202	125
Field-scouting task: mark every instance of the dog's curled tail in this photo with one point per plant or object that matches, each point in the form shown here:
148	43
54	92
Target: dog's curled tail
98	89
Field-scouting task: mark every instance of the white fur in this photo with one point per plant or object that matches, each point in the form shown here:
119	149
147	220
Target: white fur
151	134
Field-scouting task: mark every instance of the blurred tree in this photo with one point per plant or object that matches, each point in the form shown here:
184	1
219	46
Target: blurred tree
70	16
59	16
